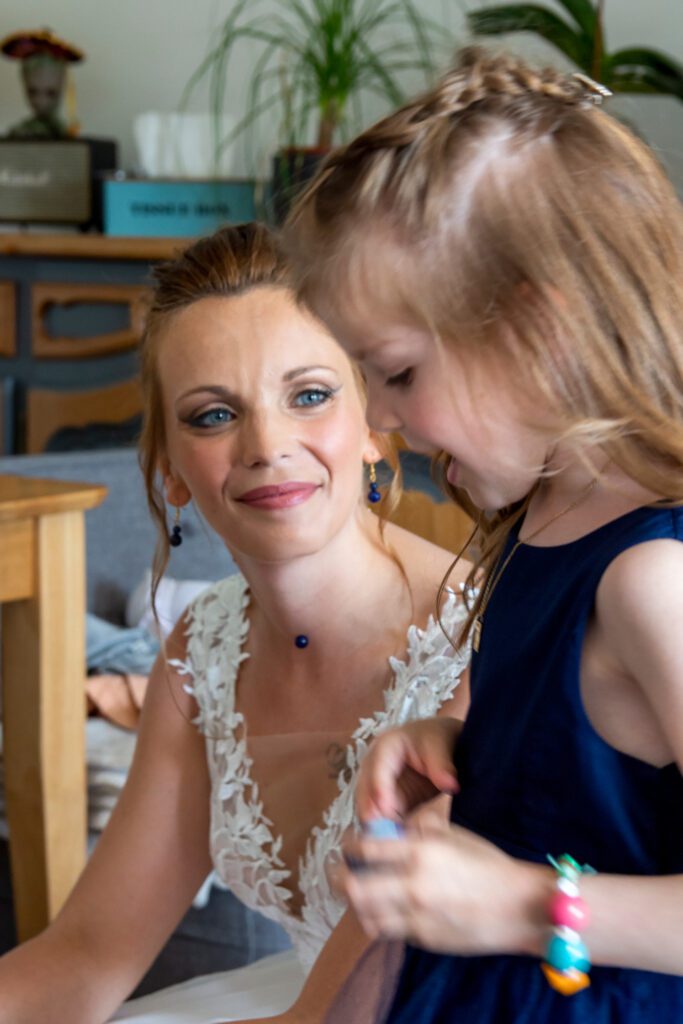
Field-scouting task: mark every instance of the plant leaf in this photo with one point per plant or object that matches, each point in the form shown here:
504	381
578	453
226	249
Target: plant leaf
583	12
494	21
646	70
321	53
644	81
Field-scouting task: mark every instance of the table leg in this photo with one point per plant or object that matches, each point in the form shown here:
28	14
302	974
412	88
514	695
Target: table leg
43	669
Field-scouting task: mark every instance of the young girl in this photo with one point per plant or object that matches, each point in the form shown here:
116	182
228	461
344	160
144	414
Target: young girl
278	677
506	261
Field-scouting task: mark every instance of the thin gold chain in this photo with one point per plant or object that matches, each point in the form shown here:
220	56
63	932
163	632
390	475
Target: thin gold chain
494	577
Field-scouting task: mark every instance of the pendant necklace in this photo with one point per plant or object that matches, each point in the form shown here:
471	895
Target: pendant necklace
494	577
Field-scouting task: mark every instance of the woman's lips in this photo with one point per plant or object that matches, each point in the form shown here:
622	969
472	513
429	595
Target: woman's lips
287	495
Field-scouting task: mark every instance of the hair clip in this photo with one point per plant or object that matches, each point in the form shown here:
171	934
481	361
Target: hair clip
595	92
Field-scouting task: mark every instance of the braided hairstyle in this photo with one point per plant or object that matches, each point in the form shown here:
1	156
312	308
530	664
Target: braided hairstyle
395	160
506	212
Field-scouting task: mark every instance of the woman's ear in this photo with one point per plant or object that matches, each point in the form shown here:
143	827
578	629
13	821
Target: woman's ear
374	450
176	490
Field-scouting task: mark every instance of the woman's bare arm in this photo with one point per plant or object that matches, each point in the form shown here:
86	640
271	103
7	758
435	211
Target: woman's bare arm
146	868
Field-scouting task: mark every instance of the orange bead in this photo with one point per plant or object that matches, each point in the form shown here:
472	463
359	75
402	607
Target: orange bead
565	982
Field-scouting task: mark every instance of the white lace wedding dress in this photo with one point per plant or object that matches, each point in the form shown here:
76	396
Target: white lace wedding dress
246	852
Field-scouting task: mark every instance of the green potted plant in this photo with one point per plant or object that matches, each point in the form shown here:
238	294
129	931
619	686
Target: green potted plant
581	37
317	61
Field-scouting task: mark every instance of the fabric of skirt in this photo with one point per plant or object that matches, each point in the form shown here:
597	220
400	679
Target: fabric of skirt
263	989
436	989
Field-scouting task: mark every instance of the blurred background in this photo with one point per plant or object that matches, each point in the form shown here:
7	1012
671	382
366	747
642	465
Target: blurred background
141	55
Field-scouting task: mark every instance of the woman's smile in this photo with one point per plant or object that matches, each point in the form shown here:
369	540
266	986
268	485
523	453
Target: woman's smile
279	496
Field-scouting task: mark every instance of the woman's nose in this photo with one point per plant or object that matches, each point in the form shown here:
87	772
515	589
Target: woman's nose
264	439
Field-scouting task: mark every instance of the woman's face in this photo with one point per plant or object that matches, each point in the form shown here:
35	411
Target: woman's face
265	425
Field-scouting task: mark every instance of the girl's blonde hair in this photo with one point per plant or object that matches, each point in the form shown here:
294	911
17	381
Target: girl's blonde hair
517	213
234	260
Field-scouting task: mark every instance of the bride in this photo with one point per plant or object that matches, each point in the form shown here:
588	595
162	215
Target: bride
275	680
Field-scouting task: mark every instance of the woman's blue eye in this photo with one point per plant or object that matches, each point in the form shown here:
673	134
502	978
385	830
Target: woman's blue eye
213	418
400	380
312	396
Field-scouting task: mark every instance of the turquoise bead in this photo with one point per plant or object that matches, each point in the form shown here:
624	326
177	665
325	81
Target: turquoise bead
563	954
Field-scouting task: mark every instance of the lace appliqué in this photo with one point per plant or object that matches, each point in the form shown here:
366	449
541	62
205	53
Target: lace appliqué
245	853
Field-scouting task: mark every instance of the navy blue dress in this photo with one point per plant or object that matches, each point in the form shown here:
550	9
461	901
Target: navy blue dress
537	778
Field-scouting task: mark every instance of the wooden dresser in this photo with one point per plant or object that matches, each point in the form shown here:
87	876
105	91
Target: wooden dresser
71	308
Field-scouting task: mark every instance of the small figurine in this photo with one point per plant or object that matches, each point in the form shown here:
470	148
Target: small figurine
44	58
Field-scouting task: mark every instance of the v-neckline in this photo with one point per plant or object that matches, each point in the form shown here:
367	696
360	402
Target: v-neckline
366	729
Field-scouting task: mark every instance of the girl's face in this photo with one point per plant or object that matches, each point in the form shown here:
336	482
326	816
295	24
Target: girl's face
264	422
439	398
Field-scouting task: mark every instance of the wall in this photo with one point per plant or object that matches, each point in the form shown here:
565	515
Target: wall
140	55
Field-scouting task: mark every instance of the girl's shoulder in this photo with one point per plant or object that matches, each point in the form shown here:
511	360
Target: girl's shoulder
646	575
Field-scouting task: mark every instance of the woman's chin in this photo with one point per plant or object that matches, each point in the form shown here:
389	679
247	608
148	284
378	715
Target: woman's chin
277	550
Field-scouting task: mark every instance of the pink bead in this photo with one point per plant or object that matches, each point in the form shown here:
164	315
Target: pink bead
569	911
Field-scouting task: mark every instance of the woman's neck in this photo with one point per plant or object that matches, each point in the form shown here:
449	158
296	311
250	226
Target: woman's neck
331	597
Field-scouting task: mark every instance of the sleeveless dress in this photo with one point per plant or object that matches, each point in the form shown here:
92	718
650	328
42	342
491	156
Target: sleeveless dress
244	849
537	778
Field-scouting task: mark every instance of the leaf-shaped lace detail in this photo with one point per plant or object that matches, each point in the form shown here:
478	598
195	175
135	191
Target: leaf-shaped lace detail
245	853
422	682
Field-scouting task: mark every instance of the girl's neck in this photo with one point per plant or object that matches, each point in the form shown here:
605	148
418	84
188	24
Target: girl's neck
335	596
572	505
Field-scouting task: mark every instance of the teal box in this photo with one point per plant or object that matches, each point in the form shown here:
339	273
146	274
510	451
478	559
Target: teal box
174	208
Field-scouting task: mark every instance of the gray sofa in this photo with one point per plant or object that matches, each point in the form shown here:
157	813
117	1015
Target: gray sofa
120	540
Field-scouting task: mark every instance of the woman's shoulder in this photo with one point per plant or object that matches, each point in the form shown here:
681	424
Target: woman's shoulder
218	601
215	619
206	646
426	566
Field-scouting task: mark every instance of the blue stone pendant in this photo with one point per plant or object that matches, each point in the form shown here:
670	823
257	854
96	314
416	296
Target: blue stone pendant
374	494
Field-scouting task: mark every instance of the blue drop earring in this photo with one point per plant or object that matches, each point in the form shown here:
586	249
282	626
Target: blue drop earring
374	493
176	536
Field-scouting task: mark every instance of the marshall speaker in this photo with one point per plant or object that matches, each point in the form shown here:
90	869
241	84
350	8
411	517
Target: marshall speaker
54	181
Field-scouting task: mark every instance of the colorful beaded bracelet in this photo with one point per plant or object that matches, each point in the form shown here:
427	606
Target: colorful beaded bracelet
567	963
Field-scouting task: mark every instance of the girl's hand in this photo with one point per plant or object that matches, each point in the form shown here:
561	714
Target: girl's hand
407	766
448	890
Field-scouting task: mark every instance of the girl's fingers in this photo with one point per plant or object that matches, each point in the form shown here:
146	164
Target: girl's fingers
377	793
392	856
435	760
380	902
405	767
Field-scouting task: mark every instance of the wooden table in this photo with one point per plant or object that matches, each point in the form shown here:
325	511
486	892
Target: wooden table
42	592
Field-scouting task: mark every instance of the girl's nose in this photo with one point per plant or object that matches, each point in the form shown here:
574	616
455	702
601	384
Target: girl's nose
379	412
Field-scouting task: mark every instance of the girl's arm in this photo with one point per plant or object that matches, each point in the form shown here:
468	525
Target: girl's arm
452	891
146	868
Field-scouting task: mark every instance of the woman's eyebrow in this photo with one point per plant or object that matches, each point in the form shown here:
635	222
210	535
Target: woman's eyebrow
212	389
299	371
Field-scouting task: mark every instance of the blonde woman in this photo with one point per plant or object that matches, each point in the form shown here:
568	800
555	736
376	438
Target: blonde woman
276	680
